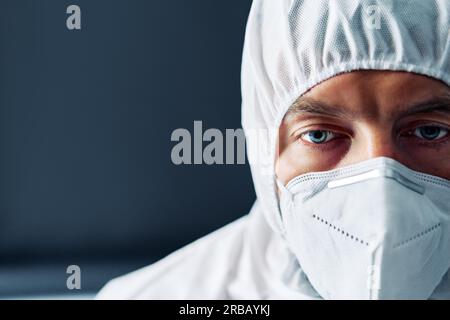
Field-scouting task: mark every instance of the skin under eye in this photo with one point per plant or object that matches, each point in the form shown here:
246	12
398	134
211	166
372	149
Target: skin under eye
430	132
318	136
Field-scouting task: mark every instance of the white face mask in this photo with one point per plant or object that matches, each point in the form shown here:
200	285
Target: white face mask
374	230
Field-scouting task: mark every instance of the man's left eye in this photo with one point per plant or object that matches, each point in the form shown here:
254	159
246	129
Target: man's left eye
430	132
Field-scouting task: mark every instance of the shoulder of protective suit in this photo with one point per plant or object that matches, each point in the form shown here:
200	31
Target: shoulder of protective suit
199	270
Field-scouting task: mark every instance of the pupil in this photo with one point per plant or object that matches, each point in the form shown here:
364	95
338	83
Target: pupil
430	133
318	136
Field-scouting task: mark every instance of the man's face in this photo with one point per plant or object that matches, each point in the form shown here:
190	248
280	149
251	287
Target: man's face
367	114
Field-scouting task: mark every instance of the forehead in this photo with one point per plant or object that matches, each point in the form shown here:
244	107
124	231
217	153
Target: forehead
372	93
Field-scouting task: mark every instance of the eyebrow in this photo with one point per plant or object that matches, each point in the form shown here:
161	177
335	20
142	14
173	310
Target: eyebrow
306	105
309	106
440	104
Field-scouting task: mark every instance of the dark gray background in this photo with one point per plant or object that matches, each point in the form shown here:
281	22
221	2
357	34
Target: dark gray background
86	117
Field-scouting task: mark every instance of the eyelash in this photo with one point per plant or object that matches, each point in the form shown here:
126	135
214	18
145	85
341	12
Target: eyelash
321	146
410	134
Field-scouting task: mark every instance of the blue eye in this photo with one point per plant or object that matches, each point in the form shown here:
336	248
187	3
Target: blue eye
430	132
318	136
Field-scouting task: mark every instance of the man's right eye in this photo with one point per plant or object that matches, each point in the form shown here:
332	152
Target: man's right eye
317	136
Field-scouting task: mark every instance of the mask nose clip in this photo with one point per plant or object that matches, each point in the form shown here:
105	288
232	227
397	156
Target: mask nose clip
377	173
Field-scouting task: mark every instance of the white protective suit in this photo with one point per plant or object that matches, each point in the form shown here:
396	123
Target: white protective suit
291	46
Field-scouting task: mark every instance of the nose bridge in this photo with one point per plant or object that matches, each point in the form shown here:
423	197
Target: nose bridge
381	145
379	141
